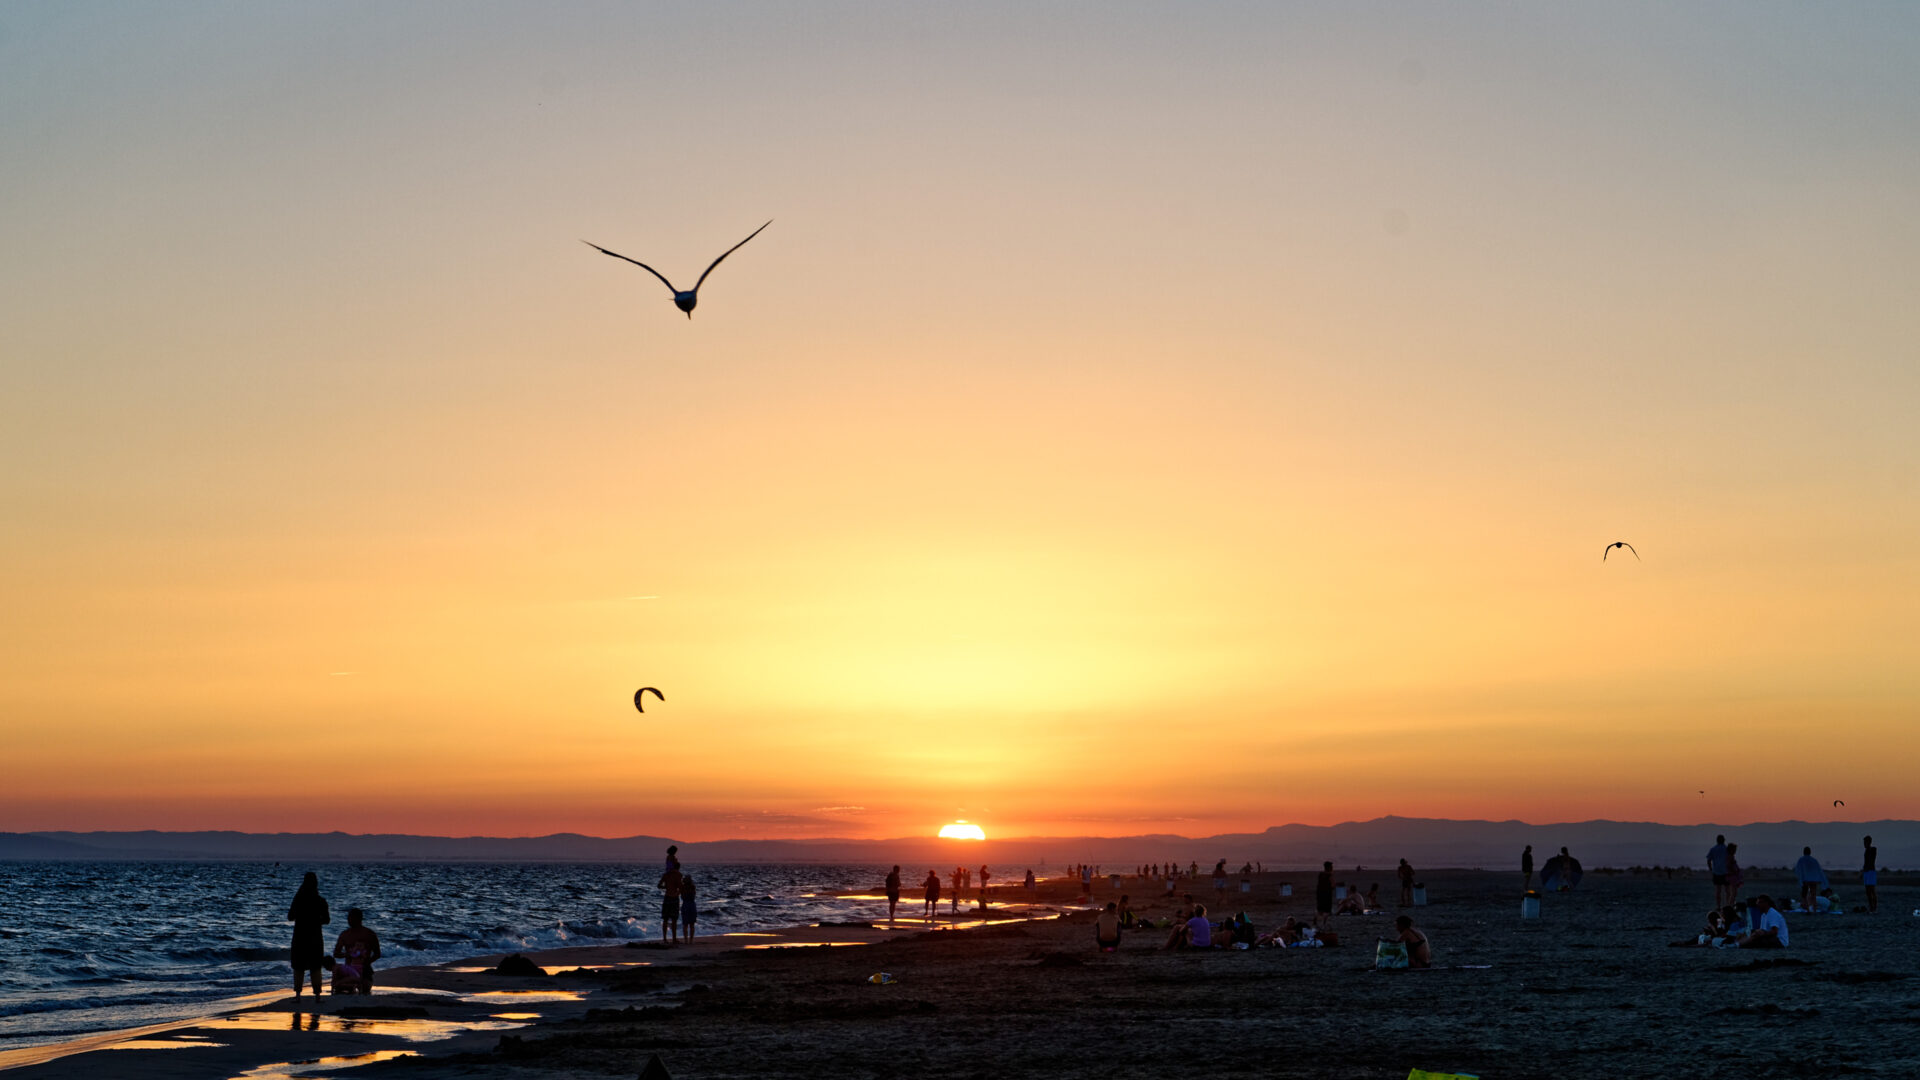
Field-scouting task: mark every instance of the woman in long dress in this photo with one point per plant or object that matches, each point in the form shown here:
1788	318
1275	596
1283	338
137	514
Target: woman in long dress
308	914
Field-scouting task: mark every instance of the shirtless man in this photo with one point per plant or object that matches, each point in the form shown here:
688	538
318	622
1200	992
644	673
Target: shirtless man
1419	949
1106	929
893	892
356	949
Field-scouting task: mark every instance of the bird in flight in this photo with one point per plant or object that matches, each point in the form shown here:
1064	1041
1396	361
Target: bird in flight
687	299
1608	550
1837	802
646	690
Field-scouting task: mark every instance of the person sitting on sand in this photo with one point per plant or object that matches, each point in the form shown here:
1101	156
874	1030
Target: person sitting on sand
1199	930
354	952
1126	913
1373	897
1106	929
1179	920
1286	935
1769	927
689	907
1419	949
1351	904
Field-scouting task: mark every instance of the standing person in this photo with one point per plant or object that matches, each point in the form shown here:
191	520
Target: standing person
670	901
1086	880
893	892
1032	892
932	885
308	913
1870	875
1323	896
1734	878
958	874
1812	879
689	907
1406	884
985	877
1220	881
1717	866
1526	867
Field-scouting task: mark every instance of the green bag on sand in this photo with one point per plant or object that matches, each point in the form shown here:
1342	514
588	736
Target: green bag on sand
1391	954
1422	1074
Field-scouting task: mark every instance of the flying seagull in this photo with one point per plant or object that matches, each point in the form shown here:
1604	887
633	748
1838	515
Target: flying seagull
682	300
646	690
1837	802
1608	550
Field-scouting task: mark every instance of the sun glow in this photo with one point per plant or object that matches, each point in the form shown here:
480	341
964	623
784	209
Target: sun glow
960	830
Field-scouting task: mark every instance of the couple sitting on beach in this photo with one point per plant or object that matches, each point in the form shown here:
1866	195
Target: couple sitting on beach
1356	904
1758	925
1198	932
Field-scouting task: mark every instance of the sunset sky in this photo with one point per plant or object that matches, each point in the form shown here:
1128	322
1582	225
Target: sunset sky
1138	417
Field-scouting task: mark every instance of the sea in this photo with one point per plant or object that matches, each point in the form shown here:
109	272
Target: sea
98	946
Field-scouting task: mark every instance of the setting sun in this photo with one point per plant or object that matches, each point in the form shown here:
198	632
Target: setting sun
960	830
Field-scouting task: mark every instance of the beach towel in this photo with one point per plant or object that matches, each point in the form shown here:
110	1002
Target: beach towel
1389	955
1422	1074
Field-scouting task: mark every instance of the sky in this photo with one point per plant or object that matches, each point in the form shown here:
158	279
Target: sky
1137	418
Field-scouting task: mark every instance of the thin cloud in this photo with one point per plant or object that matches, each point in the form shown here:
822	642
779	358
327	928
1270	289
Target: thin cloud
839	810
343	673
640	598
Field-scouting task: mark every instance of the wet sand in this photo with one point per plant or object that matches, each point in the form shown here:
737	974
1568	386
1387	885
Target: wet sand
1591	987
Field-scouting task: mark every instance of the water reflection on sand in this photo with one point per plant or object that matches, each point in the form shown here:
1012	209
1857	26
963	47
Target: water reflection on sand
411	1030
286	1070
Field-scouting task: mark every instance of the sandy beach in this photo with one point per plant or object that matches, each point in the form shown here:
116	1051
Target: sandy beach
1592	985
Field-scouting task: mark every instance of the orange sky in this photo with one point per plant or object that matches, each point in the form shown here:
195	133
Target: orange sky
1134	420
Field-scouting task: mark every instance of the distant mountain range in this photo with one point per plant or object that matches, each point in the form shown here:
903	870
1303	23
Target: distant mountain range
1428	843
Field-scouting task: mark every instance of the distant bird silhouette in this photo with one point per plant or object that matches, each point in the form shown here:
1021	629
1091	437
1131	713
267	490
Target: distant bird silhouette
1837	802
646	690
1608	550
687	299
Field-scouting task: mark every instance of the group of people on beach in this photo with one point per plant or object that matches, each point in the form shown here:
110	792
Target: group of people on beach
354	950
962	877
1759	924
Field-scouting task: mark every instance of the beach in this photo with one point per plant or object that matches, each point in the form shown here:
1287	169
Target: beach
1591	985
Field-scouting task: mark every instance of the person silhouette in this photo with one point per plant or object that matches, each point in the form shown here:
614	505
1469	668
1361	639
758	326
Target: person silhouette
354	952
308	913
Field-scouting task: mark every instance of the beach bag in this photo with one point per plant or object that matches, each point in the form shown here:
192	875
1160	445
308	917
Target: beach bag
1389	955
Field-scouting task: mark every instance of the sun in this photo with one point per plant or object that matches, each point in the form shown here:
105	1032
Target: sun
960	830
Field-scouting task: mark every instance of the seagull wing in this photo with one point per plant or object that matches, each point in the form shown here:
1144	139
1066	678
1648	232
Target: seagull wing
723	255
1629	547
1606	551
641	265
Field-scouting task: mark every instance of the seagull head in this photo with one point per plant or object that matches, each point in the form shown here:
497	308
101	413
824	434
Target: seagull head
685	301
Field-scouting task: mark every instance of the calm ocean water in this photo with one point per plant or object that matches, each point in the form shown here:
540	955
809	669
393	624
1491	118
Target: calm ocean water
91	946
